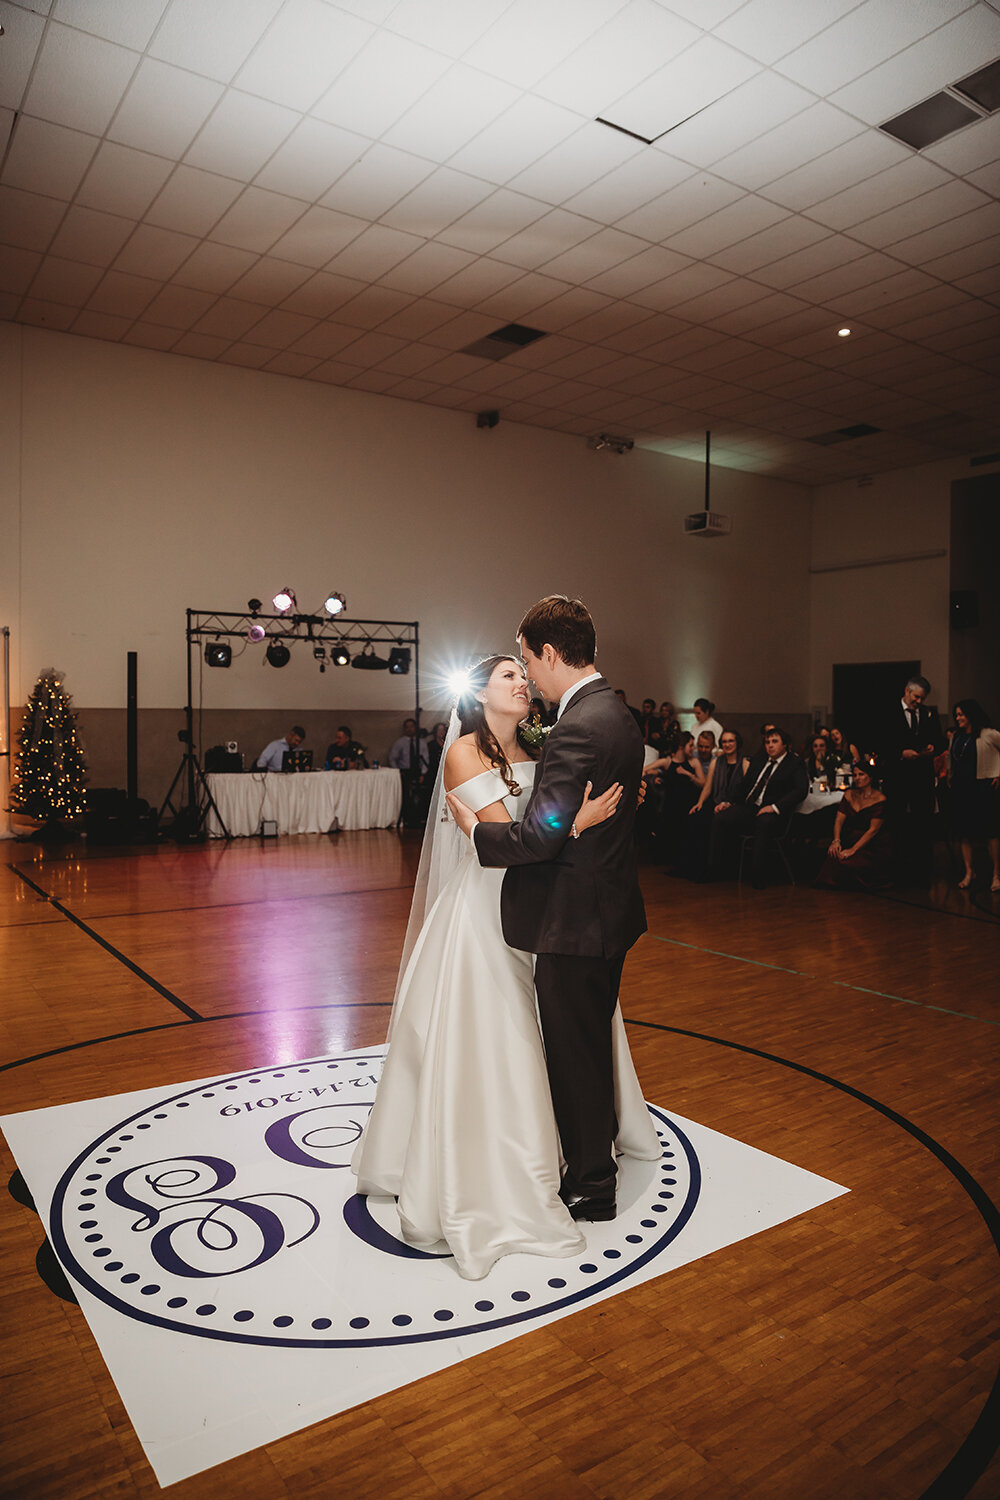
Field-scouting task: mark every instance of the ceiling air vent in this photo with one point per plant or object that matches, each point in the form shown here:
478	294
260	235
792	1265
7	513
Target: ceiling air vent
983	87
927	123
843	434
506	340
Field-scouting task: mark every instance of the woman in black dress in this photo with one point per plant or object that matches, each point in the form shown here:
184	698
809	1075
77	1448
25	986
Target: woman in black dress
859	856
974	777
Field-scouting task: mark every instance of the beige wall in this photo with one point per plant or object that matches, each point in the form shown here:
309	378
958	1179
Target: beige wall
149	482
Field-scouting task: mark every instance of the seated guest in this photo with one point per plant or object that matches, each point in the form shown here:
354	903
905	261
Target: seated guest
271	757
705	749
859	858
345	754
842	752
819	764
704	710
974	778
765	807
681	778
649	722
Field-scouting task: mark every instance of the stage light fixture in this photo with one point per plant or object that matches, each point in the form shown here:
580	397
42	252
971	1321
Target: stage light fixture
335	604
369	662
340	656
278	655
218	653
253	605
399	661
284	600
319	653
256	634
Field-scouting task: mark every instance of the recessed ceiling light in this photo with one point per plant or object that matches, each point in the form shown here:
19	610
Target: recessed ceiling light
843	333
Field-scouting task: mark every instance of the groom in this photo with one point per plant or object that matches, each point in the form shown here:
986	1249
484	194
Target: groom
574	902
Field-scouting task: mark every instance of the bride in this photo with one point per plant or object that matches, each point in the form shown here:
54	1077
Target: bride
462	1131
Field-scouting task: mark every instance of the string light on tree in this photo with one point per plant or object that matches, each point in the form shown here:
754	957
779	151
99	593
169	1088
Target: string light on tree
49	769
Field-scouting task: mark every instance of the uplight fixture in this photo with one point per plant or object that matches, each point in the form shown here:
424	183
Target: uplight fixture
284	600
335	604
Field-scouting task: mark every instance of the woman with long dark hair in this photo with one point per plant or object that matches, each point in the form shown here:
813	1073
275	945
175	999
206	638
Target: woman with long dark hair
974	776
462	1132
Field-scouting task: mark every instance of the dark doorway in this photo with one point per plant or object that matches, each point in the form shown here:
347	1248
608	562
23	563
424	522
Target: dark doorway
863	695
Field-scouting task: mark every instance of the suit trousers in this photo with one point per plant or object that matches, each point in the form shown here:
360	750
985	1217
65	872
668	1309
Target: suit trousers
576	1005
743	818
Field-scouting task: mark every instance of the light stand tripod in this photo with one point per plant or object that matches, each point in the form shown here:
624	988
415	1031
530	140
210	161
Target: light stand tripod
189	818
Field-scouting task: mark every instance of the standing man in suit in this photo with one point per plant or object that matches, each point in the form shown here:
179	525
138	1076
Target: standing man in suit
773	790
574	903
911	738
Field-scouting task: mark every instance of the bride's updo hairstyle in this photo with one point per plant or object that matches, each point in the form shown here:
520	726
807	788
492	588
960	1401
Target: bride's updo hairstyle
472	719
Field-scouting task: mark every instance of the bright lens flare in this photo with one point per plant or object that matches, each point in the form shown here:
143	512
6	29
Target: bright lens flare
459	682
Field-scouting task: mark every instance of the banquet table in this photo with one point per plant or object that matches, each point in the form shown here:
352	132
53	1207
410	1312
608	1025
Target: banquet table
813	801
304	801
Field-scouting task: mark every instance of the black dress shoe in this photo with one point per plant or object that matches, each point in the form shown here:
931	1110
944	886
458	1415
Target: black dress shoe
593	1210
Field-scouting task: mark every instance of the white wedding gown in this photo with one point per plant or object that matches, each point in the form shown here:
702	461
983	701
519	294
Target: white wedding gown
462	1130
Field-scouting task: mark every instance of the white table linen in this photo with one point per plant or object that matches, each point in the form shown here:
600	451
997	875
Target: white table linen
304	801
813	801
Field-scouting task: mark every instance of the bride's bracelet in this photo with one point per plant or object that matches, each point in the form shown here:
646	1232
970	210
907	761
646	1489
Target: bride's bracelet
574	832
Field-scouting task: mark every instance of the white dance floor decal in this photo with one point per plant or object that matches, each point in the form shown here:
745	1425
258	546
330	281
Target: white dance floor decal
239	1290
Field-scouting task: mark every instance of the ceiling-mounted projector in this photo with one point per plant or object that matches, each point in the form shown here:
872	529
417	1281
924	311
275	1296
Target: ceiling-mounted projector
707	523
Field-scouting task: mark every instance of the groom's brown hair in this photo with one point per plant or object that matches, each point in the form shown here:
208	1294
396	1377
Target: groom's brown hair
565	625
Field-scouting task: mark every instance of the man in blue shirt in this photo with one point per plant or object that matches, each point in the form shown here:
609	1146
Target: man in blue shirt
270	758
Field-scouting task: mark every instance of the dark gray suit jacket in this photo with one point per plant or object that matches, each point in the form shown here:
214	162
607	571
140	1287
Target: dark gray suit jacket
564	895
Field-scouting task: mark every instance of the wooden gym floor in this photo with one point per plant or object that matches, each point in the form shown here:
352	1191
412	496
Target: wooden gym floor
848	1353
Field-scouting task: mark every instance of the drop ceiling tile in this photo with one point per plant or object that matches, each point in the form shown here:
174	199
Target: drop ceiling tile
767	29
949	52
445	27
78	79
272	281
47	159
542	241
985	179
607	321
178	306
619	56
372	307
681	287
576	163
21	45
240	136
644	334
652	264
7	119
531	37
838	170
969	229
375	251
885	190
230	319
123	181
692	200
976	146
690	341
258	219
279	329
373	184
977	257
757	314
498	218
27	219
452	369
413	389
831	286
131	25
526	131
602	252
691	82
307	43
757	106
444	197
200	346
923	296
816	130
325	340
983	284
151	336
213	39
580	362
409	359
826	255
419	320
427	268
93	325
567	309
731	296
461	103
951	201
192	201
388	76
164	109
287	363
631	185
155	252
899	287
91	237
319	236
739	221
45	314
18	268
481	279
333	372
311	160
125	295
872	32
214	268
318	297
372	380
517	302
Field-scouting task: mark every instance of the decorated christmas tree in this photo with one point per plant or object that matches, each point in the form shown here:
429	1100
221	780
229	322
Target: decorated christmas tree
49	768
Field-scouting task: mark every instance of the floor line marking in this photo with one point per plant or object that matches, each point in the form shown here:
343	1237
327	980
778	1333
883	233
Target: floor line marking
759	963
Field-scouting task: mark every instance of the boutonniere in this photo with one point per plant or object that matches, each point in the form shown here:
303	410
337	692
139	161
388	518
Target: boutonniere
533	732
